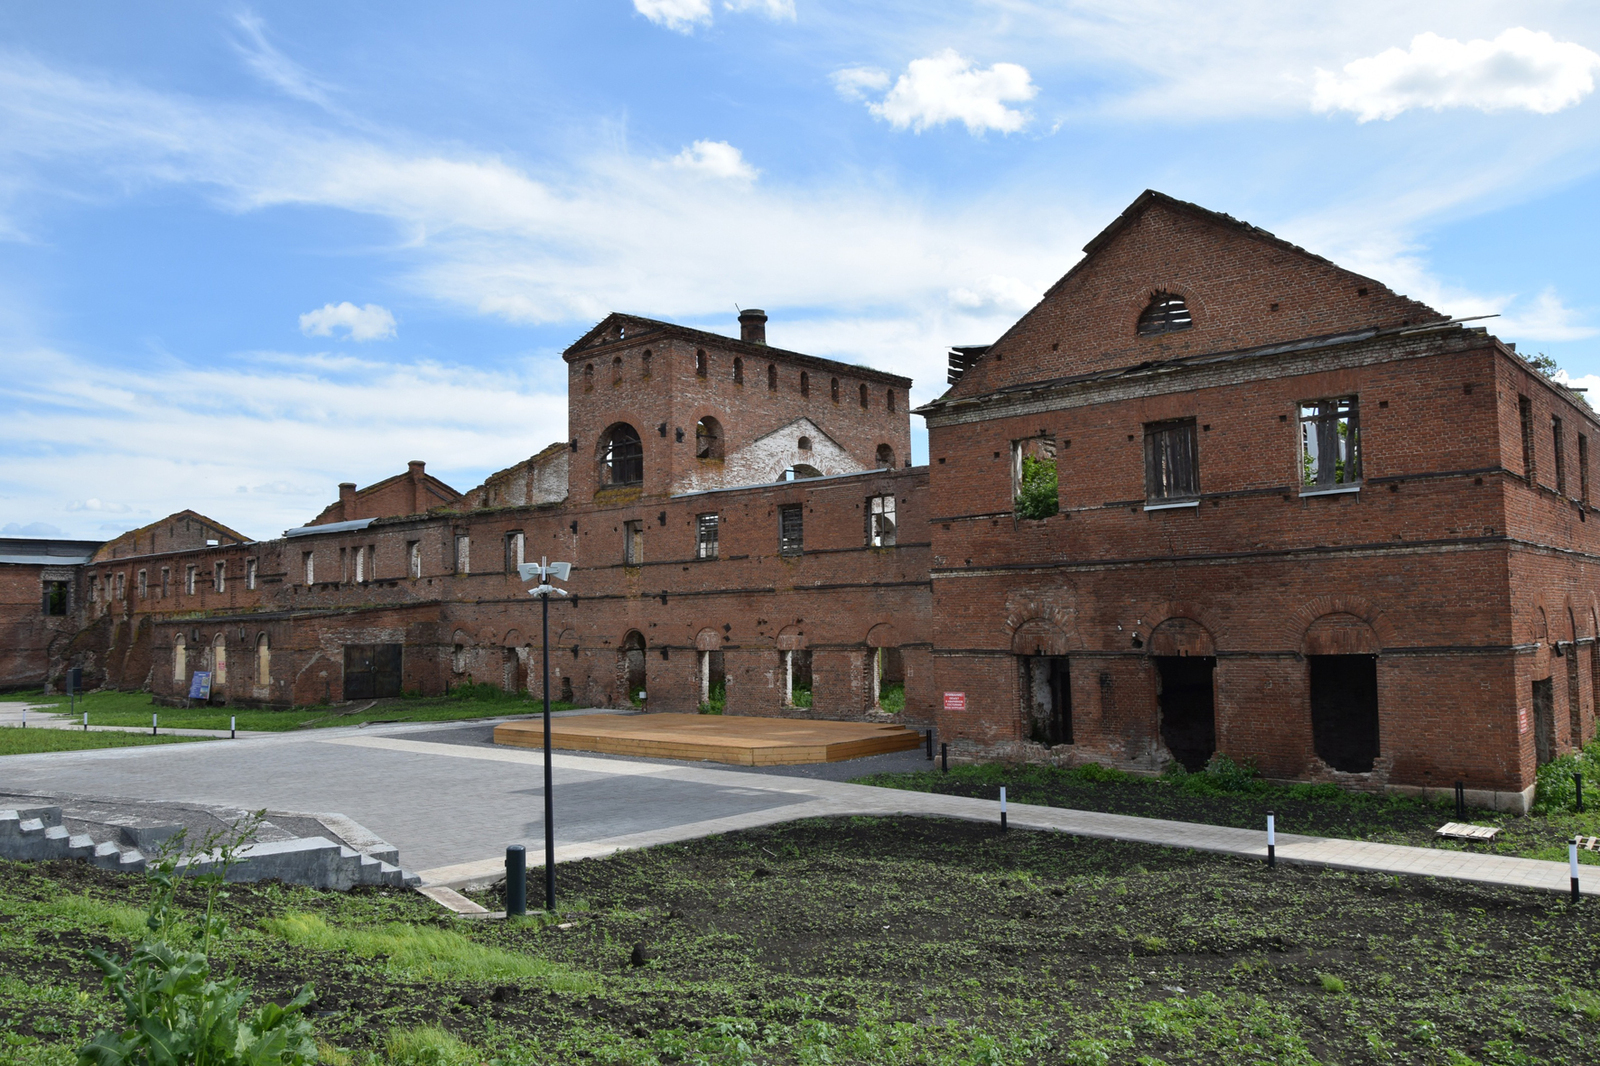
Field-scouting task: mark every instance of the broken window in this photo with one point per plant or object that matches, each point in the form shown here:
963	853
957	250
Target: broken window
166	581
708	439
863	397
55	598
805	384
463	553
249	576
414	557
791	530
885	457
122	587
143	584
1047	698
772	377
880	522
633	542
1344	710
1165	313
1187	703
1525	414
700	363
705	536
1034	487
797	677
189	575
738	371
1171	466
219	577
1330	443
1561	458
514	550
622	460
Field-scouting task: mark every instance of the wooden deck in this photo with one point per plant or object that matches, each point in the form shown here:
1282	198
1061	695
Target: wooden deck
714	737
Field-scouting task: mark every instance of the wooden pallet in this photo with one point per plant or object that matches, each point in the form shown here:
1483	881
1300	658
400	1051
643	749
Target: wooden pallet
1463	831
1587	843
743	741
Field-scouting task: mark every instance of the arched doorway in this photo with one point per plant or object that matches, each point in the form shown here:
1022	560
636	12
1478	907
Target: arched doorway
1185	661
1342	665
630	662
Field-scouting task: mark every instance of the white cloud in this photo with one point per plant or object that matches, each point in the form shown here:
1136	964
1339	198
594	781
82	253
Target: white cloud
275	68
1545	318
717	159
1519	69
367	323
853	83
32	529
679	15
946	87
773	9
93	504
996	293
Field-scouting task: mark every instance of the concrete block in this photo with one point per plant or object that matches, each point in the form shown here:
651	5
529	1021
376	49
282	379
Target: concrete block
80	846
107	856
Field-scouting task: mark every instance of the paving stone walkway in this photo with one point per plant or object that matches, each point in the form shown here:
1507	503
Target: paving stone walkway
451	808
15	715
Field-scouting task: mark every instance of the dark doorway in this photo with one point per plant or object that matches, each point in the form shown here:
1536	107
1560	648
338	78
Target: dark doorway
1574	702
566	690
1344	710
371	671
1544	720
631	656
1188	707
1047	698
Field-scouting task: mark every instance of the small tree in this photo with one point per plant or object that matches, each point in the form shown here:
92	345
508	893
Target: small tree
1036	496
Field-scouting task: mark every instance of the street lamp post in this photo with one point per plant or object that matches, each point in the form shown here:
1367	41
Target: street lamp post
543	571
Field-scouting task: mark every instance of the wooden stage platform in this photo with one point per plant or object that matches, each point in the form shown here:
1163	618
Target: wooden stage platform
715	737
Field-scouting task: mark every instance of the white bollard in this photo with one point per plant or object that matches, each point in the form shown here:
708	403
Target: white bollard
152	725
1272	839
233	727
1002	808
85	721
1572	861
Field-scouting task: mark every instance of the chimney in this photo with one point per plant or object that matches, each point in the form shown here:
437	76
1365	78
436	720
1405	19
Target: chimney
753	325
347	500
414	469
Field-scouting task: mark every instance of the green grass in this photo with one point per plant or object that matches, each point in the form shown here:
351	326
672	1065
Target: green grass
33	741
135	709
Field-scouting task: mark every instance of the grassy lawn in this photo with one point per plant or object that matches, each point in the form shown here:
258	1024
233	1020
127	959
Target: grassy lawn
135	708
909	942
1226	794
17	741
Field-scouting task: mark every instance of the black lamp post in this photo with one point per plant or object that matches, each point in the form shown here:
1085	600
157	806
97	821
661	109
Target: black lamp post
544	571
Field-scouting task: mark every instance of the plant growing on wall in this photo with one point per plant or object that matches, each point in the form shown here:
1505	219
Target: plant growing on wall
1037	495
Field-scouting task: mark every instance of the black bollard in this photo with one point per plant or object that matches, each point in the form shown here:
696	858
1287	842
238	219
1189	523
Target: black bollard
1577	782
1272	840
1461	802
516	880
930	745
944	758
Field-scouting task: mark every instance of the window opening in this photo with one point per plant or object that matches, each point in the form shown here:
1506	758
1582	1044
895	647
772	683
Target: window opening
1034	485
633	542
1583	468
805	384
1344	710
414	557
804	444
885	457
55	598
166	581
1171	467
881	527
772	377
834	389
863	397
1330	443
791	530
1186	699
1561	458
708	439
644	365
706	536
190	575
616	371
361	565
1544	720
588	377
1525	412
1047	698
122	587
180	659
1165	313
738	370
888	400
463	553
219	661
713	682
142	583
623	460
514	550
799	472
249	576
631	662
263	661
797	677
700	363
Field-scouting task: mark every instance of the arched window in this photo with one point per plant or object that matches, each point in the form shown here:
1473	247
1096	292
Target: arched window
219	661
738	371
708	439
886	457
644	362
1165	313
621	456
263	661
616	371
888	400
805	444
700	362
180	659
835	390
588	377
805	384
772	377
802	470
863	397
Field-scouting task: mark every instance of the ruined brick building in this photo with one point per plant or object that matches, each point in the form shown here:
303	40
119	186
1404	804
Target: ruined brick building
1213	493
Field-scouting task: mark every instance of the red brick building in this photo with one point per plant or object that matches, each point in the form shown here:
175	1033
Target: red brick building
1212	494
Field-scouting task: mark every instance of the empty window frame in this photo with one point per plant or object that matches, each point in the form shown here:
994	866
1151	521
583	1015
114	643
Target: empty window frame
463	553
190	571
805	384
706	531
1171	462
219	577
616	371
55	598
515	545
166	581
361	565
644	365
797	677
738	371
888	400
708	439
701	363
1330	444
143	584
1035	490
772	378
1561	454
633	542
863	397
622	459
1525	416
414	558
885	457
588	377
250	567
1583	468
122	587
1165	313
881	526
791	530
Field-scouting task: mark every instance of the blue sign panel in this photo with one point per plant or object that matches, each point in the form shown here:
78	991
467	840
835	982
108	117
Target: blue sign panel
200	686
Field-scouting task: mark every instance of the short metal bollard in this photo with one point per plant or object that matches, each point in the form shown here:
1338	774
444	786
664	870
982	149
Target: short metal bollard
944	758
85	721
1272	840
1572	860
516	880
930	745
1002	808
1461	801
233	727
152	725
24	717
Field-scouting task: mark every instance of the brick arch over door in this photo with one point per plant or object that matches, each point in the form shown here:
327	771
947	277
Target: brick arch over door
793	638
1181	636
1160	614
1340	633
1043	636
707	639
883	635
1301	621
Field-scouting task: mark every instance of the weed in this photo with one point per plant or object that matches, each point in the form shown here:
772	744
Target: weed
427	1045
1330	983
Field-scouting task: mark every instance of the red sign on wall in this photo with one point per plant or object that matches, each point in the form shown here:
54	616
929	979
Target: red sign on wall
1522	720
955	701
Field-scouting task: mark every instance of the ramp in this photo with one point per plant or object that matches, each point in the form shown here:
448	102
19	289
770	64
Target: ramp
743	741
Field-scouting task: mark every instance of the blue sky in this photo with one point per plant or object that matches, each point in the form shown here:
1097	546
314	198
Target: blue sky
247	253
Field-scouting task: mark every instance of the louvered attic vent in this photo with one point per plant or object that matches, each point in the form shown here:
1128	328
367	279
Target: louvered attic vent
1166	313
962	358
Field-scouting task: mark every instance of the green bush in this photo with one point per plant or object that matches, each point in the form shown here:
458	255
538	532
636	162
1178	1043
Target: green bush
800	696
478	690
1221	776
716	700
892	698
1037	497
1556	791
